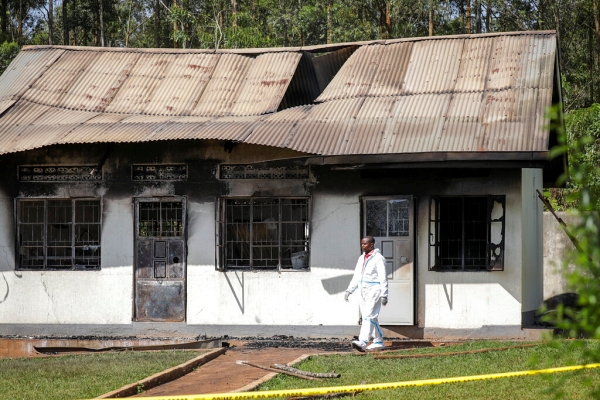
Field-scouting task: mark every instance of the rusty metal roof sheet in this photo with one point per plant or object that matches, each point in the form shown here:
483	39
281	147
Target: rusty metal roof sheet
325	127
224	86
274	130
355	77
168	84
461	94
24	70
266	83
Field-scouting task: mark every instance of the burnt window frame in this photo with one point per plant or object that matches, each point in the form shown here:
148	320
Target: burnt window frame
494	251
74	245
221	222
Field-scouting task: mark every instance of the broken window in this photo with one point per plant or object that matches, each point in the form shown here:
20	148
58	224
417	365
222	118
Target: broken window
58	234
466	233
264	233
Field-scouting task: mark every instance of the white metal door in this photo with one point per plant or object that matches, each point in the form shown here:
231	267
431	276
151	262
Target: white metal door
389	219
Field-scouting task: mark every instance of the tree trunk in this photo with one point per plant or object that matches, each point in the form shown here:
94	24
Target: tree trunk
388	19
101	23
328	33
157	23
20	23
4	9
50	19
468	16
65	26
430	17
596	30
235	8
591	63
175	29
478	16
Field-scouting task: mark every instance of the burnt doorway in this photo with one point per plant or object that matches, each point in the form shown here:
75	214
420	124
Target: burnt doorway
160	259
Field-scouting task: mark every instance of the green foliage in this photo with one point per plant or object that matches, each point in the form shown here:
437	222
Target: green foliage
8	52
581	141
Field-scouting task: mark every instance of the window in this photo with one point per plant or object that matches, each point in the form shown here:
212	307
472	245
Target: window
160	218
466	233
58	234
264	233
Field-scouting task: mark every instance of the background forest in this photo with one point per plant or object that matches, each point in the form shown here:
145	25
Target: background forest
272	23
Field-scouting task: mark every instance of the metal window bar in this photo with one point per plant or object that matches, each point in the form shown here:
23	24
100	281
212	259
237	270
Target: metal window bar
162	218
263	233
476	249
50	233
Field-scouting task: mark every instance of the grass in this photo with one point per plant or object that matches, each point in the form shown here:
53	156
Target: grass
356	370
82	376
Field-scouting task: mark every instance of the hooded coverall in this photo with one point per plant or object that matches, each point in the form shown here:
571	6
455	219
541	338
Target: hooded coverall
371	278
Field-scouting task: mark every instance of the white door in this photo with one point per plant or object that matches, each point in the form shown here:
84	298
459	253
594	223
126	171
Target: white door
389	219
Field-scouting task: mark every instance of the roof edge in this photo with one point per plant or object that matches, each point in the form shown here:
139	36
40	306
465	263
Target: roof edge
313	48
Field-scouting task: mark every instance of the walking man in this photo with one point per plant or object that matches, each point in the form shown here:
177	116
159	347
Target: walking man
370	278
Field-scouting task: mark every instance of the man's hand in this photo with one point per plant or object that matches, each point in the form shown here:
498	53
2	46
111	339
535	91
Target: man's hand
384	301
346	296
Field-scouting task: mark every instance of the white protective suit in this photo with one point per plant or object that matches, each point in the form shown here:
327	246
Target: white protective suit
370	278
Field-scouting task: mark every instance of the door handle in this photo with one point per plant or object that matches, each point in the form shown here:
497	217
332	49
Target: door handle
403	260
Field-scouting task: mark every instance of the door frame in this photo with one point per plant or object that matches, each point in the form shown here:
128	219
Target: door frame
135	202
414	215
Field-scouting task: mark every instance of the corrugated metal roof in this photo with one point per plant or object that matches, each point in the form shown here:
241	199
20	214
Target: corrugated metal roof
25	69
181	85
266	83
98	84
470	93
327	65
474	65
325	127
390	75
304	86
224	86
52	87
22	72
355	77
274	130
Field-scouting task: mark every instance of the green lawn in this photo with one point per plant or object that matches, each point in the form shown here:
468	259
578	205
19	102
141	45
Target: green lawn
357	369
82	376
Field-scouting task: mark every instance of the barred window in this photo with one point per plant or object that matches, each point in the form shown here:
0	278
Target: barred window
58	234
466	233
264	233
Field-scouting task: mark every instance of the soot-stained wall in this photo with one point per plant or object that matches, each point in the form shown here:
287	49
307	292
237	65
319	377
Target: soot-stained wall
283	301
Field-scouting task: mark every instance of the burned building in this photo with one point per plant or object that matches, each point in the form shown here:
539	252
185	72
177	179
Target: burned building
183	192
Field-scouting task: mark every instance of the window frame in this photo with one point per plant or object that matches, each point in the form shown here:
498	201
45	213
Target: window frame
495	263
45	245
221	228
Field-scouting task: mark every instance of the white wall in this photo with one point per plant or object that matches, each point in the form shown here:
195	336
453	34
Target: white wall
473	300
312	297
71	297
457	300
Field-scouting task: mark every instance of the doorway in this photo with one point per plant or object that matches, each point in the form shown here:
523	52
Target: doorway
160	259
390	220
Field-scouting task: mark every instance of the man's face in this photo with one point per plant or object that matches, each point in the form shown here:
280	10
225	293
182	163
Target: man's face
366	246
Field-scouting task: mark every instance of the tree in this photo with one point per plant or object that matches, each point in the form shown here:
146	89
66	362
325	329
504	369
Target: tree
583	318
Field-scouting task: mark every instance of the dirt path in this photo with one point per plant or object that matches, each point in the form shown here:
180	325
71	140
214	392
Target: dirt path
223	374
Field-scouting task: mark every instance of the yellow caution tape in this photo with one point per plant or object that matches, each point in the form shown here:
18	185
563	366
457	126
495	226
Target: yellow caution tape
363	388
